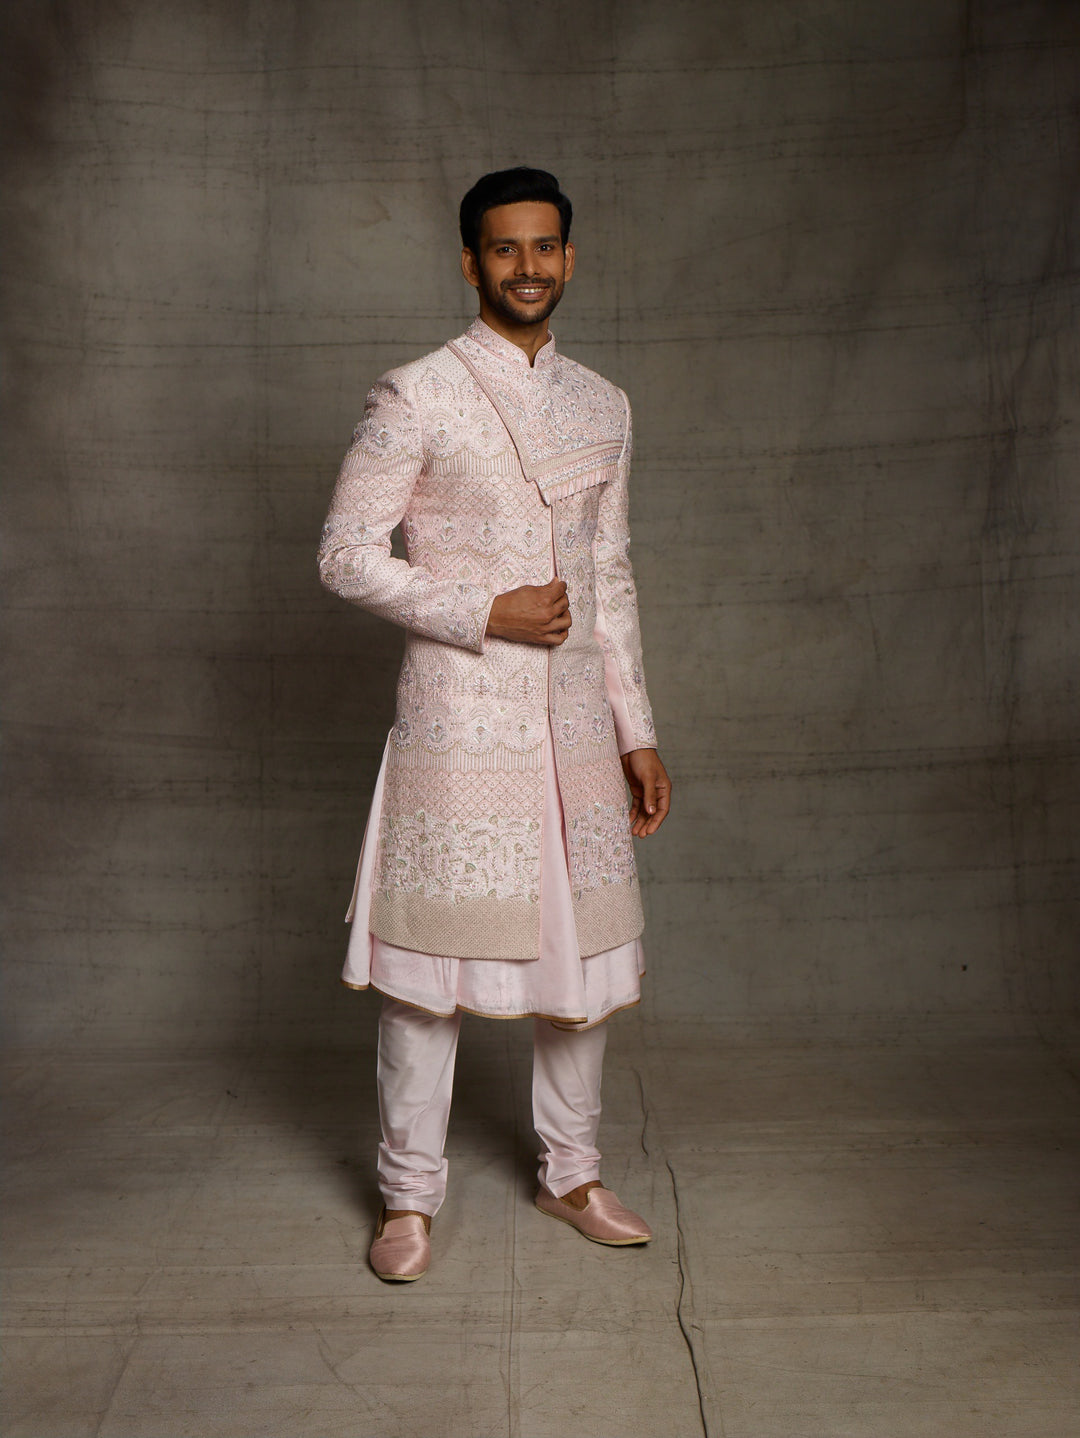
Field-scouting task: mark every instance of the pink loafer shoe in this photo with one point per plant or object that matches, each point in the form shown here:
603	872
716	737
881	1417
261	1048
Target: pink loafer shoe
400	1250
603	1219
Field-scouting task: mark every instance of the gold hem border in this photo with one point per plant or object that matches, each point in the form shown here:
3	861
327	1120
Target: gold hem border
577	1026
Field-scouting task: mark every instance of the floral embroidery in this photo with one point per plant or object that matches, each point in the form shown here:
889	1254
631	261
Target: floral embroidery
601	849
497	858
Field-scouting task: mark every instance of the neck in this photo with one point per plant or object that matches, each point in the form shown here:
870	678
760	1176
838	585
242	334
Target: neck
530	338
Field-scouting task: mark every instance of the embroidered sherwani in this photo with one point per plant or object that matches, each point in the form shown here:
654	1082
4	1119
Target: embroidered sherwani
501	474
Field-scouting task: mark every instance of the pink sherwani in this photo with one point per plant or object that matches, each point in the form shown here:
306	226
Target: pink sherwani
497	872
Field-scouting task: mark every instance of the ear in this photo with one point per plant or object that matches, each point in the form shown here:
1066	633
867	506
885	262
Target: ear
470	269
568	251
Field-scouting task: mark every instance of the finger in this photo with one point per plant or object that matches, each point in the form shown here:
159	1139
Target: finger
663	806
650	793
646	817
635	802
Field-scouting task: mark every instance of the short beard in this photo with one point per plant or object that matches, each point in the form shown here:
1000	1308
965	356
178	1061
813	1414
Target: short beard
503	306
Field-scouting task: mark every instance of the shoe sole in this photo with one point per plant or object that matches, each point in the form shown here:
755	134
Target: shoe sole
607	1242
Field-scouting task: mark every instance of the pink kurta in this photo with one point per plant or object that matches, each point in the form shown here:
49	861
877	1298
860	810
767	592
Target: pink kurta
560	985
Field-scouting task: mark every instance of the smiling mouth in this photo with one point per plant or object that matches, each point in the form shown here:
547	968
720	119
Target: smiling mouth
529	292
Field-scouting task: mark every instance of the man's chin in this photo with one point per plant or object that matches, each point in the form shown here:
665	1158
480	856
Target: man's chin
526	314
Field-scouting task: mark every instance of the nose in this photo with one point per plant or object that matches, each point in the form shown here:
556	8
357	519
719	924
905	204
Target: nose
528	263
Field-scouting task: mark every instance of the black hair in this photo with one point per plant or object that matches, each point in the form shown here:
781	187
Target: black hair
510	187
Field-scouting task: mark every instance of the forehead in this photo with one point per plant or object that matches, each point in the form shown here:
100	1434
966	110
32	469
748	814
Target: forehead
526	220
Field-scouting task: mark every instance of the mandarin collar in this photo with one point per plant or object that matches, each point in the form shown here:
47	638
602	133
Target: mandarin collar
506	349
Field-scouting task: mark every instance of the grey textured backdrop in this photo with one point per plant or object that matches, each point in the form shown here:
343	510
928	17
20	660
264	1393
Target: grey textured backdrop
828	248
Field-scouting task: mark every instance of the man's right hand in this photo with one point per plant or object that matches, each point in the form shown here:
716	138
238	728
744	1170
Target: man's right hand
533	614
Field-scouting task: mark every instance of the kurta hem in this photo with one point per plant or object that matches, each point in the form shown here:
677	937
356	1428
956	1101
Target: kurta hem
560	1022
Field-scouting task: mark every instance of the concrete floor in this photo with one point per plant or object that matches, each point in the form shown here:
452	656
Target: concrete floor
853	1237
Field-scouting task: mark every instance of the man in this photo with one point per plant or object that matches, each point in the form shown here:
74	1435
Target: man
497	872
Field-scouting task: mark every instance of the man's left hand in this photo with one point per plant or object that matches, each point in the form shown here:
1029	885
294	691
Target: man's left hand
650	791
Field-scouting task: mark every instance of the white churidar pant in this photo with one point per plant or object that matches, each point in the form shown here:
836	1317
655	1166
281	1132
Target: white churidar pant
416	1077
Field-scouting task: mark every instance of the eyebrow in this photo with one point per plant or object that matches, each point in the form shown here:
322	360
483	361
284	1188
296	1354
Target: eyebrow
518	239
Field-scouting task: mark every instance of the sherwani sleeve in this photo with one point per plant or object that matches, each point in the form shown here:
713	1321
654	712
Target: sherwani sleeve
378	475
617	625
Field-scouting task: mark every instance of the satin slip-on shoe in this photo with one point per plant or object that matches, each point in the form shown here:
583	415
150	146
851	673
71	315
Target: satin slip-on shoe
603	1219
400	1250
